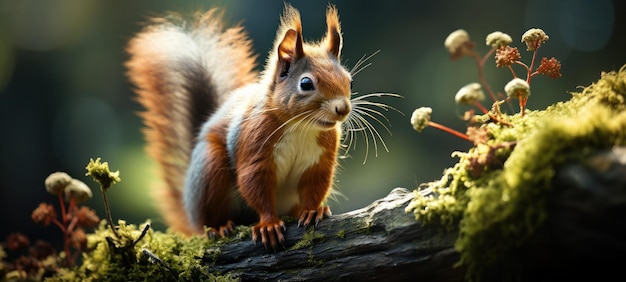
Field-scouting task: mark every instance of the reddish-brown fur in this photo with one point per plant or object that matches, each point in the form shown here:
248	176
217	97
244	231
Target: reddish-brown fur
255	168
169	94
215	205
154	69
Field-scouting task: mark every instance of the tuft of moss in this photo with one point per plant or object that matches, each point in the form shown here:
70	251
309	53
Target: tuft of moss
102	174
178	258
497	197
313	262
341	234
309	236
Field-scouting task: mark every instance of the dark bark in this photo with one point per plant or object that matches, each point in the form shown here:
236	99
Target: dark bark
583	237
379	242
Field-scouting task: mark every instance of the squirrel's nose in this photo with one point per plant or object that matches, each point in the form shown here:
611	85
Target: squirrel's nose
342	110
341	107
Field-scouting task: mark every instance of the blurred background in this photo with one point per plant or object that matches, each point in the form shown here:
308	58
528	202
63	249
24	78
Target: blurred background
64	96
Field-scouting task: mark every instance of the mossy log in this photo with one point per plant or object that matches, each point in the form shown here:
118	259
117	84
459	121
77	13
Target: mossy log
380	242
584	235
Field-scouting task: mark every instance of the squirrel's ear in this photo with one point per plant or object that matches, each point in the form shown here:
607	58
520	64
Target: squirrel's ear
290	48
333	39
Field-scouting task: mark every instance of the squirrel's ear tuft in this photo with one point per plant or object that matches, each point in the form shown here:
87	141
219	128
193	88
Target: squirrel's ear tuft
290	47
333	39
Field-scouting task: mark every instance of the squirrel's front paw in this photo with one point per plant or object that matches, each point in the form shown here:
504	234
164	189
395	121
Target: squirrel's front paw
271	232
307	215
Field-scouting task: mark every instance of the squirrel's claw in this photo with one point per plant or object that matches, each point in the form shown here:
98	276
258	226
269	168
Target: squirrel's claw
223	231
307	216
269	232
227	229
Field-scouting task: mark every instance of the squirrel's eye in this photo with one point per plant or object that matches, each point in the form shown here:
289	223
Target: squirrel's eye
306	84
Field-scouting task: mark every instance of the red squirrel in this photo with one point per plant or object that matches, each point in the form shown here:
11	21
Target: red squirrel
236	146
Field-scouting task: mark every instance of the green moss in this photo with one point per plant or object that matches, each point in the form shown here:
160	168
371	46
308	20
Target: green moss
102	174
496	193
177	258
313	262
308	237
341	234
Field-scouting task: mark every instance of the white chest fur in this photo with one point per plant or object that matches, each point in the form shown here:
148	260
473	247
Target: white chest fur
296	151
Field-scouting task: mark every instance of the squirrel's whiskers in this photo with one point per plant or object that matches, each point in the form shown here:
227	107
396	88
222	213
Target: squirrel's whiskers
240	146
358	122
363	109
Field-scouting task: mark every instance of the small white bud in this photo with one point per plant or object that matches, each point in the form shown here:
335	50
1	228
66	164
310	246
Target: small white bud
517	88
77	190
57	181
469	94
534	37
497	39
420	118
456	40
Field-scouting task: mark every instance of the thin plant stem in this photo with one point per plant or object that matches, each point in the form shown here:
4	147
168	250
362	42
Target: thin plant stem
499	120
70	228
59	224
449	130
71	258
523	65
66	232
108	211
481	107
71	207
486	57
532	65
68	255
512	71
63	210
529	75
480	62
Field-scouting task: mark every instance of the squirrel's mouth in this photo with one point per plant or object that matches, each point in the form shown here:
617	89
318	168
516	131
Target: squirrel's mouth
326	124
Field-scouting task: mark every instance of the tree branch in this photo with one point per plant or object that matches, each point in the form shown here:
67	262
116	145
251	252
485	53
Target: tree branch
583	236
380	241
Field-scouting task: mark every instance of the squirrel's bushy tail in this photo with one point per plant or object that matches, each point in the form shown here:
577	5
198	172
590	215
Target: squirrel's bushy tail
182	71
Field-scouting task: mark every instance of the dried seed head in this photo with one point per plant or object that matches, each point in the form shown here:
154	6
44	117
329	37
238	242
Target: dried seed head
533	38
458	43
497	39
77	190
550	67
41	250
56	182
506	56
16	241
517	88
78	239
44	214
87	217
420	118
469	94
